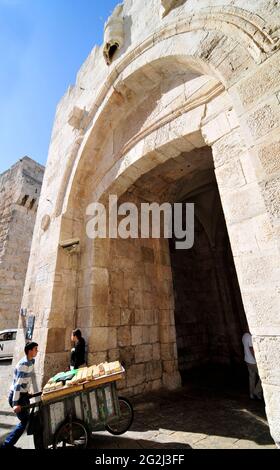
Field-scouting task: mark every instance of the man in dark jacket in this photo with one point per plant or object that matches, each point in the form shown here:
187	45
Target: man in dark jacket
78	353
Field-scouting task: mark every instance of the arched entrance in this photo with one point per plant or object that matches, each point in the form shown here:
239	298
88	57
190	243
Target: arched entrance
184	88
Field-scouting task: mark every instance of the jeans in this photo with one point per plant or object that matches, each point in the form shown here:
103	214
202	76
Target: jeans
23	416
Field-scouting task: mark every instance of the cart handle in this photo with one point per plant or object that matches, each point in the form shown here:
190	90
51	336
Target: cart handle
34	395
32	405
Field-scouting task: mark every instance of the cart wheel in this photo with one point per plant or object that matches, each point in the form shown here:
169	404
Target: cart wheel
126	418
71	434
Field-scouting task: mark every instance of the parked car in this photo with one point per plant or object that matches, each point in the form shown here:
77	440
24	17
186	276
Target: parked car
7	343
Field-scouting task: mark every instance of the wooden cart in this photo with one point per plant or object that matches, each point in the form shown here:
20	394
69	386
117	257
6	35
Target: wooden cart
68	417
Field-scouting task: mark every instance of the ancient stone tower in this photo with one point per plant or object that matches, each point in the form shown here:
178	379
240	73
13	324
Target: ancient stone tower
181	104
20	189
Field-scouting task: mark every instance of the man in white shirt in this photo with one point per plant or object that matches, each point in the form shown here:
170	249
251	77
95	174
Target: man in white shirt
249	357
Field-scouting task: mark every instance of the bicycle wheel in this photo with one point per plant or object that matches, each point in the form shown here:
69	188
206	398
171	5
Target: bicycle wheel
71	435
125	419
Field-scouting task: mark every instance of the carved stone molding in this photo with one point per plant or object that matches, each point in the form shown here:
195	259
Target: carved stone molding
242	25
113	34
231	21
204	95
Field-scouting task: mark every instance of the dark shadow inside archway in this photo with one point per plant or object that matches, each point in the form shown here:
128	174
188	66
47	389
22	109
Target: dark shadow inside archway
148	278
209	314
208	309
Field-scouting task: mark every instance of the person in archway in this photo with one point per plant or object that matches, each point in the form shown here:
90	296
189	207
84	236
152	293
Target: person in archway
255	386
19	393
78	353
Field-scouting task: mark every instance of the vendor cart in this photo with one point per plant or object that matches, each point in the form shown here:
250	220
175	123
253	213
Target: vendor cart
68	417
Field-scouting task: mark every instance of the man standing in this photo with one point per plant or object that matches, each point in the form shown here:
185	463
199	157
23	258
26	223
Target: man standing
249	357
19	393
78	353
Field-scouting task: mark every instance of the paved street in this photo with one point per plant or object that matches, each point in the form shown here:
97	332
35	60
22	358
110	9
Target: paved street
204	414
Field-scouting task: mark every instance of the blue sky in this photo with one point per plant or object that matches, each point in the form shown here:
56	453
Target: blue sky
43	43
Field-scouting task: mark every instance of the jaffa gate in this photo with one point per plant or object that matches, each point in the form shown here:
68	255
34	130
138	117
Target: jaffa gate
181	105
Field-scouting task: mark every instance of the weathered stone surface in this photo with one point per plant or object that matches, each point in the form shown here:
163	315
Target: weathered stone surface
124	336
243	203
56	338
135	375
271	194
143	353
230	176
265	80
207	75
264	120
20	190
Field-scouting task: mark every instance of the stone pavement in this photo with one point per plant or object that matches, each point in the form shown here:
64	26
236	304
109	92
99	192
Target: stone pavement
204	414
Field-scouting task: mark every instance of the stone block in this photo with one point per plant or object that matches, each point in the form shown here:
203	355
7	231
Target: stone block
127	356
169	366
54	362
167	334
156	352
114	355
166	317
135	375
145	317
230	176
99	295
263	120
263	81
102	339
267	355
243	204
150	334
257	270
271	195
153	370
136	335
219	127
143	353
262	309
124	336
167	351
127	316
251	167
171	381
147	255
156	384
228	148
99	315
114	316
85	318
97	357
269	156
265	233
56	340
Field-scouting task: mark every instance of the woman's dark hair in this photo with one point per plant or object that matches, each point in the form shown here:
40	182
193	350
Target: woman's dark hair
77	333
29	346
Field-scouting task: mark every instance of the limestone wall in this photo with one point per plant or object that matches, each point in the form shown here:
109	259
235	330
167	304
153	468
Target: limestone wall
20	191
118	122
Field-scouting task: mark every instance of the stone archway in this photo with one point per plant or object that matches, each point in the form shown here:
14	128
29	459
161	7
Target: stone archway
137	121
